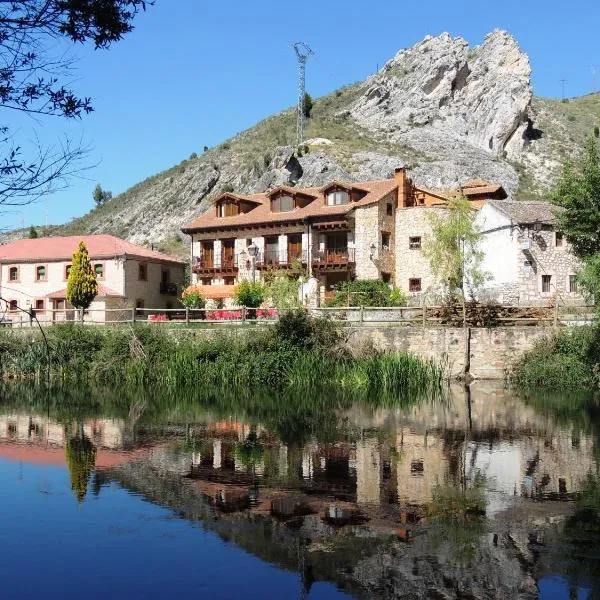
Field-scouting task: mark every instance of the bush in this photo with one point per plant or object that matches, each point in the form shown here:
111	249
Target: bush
367	292
283	292
192	298
250	294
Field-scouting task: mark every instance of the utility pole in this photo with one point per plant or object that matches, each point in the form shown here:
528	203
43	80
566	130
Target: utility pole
563	84
594	75
302	52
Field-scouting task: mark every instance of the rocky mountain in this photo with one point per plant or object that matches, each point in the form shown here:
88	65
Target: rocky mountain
446	111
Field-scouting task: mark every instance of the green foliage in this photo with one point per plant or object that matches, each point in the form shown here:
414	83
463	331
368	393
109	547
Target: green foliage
250	294
82	286
101	196
283	291
33	233
367	292
193	156
227	188
578	192
81	459
568	360
192	298
307	104
452	248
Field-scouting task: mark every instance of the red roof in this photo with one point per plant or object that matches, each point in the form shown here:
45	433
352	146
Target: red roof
63	247
103	292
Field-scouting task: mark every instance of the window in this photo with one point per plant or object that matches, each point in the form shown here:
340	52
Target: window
248	242
165	276
229	280
206	281
573	286
385	241
143	272
417	468
13	274
12	305
558	239
414	243
40	273
99	270
338	197
414	285
389	209
67	271
139	303
227	209
39	304
546	281
283	203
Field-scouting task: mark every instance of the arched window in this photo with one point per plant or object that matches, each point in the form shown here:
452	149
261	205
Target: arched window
282	203
40	273
13	274
337	197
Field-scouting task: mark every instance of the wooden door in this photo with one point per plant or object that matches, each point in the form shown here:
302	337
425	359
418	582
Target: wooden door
272	251
294	247
337	246
227	253
207	258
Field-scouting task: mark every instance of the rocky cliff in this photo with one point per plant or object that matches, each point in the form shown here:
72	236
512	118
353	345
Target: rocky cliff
446	111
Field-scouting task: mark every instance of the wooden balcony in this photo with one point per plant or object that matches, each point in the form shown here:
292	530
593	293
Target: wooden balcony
334	259
211	265
281	260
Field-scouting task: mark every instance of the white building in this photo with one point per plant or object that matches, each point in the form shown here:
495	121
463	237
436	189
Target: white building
529	261
34	273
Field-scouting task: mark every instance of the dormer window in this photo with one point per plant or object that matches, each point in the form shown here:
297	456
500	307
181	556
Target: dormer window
227	209
337	197
282	203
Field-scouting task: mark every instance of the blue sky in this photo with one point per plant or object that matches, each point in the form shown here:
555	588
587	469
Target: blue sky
193	73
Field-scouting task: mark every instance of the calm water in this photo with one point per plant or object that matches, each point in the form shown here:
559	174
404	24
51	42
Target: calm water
477	495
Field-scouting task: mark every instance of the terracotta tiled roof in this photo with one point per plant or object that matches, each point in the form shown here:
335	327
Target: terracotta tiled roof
103	292
526	212
317	208
62	248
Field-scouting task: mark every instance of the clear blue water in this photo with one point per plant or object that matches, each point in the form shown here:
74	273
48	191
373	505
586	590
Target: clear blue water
489	498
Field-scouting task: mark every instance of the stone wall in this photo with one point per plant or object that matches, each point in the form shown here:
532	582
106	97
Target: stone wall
492	351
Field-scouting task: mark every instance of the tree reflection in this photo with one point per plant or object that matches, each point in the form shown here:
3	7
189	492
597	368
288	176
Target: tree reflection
81	460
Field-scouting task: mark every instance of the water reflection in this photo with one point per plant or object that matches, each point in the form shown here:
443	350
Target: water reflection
478	494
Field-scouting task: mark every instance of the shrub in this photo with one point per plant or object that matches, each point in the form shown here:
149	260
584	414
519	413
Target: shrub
192	298
367	292
283	291
250	294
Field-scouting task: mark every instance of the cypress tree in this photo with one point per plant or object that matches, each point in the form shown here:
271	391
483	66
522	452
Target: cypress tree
82	286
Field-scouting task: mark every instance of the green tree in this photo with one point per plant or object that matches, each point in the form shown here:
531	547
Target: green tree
35	78
307	105
33	233
101	196
578	192
283	291
81	460
82	286
452	248
367	292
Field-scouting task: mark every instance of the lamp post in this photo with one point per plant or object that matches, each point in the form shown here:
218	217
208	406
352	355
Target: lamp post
253	253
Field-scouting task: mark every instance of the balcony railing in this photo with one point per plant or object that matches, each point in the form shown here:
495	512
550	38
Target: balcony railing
282	260
168	288
334	256
214	263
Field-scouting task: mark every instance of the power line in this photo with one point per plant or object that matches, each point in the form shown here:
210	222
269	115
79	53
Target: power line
302	52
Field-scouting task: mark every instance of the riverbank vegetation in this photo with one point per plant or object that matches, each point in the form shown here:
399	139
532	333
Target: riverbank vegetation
297	352
566	361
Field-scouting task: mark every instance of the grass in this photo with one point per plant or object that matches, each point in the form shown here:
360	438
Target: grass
297	353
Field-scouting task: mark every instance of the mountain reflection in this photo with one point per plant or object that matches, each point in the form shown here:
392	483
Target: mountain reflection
478	492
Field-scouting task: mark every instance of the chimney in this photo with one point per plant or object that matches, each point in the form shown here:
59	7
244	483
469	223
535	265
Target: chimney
401	179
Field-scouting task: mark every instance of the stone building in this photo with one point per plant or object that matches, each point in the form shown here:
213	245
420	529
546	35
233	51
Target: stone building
34	273
342	231
529	261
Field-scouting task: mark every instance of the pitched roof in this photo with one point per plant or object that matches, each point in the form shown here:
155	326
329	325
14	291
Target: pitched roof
526	212
317	208
63	247
103	292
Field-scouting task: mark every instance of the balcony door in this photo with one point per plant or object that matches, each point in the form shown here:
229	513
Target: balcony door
336	246
294	247
272	250
207	255
227	253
